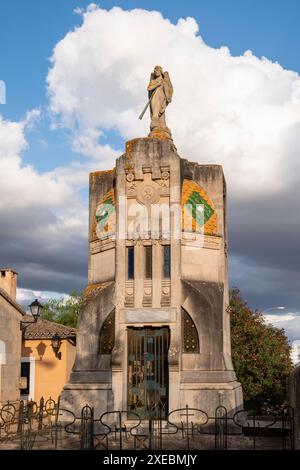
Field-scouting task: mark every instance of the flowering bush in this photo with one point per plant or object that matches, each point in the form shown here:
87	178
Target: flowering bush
261	356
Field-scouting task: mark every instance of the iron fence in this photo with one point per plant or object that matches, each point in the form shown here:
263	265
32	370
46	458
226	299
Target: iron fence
23	421
28	425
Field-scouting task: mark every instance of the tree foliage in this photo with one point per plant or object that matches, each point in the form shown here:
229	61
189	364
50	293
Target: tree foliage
64	311
261	356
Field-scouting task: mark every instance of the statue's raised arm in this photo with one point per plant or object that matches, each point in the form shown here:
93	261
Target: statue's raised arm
160	92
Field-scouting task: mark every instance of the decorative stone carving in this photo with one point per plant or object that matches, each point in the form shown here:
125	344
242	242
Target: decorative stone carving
129	294
147	169
147	296
148	193
130	177
164	182
131	184
165	293
165	178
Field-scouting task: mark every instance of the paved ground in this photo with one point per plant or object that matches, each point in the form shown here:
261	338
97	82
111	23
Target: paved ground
65	441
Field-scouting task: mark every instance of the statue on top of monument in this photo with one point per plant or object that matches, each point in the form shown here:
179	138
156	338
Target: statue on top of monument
160	92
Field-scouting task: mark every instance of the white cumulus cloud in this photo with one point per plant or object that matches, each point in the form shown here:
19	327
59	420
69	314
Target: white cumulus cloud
43	219
20	184
242	112
289	321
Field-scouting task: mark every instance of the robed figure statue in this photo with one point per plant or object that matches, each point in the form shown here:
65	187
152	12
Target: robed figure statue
160	92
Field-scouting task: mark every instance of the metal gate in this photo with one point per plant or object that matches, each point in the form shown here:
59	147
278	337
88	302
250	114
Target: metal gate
148	377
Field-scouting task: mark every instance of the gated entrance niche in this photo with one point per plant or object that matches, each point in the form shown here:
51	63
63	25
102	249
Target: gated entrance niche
148	377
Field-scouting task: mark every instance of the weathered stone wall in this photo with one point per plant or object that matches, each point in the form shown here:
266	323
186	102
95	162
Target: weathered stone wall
10	349
90	379
101	258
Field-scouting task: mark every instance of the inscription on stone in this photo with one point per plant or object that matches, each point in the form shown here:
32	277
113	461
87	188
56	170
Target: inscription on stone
147	315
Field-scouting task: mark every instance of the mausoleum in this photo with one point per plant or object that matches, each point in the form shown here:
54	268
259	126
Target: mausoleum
154	327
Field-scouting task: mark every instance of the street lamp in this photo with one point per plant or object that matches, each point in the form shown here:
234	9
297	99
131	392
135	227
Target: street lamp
56	344
35	309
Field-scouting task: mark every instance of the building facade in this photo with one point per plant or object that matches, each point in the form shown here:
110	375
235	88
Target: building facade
44	369
154	327
11	314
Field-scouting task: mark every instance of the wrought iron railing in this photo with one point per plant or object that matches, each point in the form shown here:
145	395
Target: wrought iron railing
23	421
28	425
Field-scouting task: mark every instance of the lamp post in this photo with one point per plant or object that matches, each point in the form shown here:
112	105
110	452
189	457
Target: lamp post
35	309
56	344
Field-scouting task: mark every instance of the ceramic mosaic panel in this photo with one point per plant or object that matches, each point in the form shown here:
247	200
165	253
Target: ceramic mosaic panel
106	216
192	196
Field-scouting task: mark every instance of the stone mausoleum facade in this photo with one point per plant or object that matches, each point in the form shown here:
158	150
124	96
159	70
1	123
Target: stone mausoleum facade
154	329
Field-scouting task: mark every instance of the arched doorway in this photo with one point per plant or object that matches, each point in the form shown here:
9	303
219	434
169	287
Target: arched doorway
148	378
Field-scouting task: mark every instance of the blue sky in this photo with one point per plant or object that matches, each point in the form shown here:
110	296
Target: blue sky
29	32
31	28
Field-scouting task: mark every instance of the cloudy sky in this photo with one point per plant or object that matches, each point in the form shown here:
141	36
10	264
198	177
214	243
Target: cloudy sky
76	75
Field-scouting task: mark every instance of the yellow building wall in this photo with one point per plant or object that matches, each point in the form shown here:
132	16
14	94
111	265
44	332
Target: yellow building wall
51	373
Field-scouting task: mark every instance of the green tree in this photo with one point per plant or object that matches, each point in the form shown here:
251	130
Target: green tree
261	356
63	311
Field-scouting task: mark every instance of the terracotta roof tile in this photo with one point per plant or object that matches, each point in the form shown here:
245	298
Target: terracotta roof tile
45	329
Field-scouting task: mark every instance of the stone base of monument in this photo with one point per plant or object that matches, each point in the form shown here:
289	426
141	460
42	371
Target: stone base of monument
209	396
162	133
96	395
197	397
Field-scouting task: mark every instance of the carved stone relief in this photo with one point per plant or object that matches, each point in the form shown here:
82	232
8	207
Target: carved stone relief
148	193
